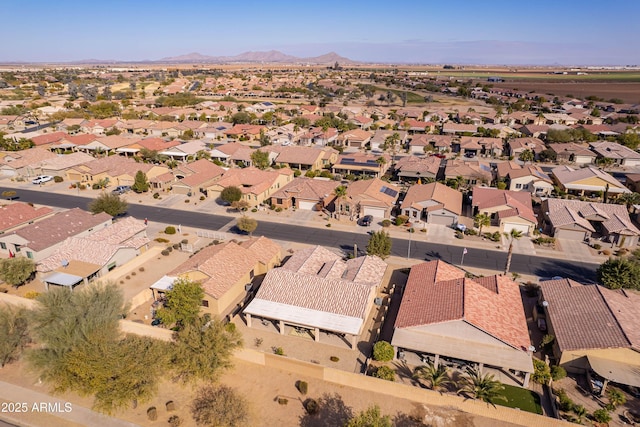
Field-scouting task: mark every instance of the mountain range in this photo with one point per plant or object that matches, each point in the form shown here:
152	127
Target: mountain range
272	56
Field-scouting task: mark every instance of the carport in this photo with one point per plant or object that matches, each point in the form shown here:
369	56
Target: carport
615	371
62	279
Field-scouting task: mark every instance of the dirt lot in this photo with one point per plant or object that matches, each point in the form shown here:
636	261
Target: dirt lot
628	92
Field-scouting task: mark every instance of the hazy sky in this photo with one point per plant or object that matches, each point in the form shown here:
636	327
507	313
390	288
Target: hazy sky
473	32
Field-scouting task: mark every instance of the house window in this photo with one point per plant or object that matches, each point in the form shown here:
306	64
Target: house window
525	187
29	254
251	274
415	214
17	248
346	208
518	186
3	245
279	201
205	303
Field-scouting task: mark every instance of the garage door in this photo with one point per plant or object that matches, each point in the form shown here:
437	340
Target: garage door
307	205
441	220
374	212
508	226
570	234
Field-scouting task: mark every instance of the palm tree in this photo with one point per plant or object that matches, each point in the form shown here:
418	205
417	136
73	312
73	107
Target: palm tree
616	397
483	387
527	156
436	377
483	220
340	192
629	199
513	235
580	412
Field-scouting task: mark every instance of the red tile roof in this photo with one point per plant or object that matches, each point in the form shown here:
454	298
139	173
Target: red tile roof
20	213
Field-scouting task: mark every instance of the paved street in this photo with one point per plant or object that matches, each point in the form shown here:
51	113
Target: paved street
343	236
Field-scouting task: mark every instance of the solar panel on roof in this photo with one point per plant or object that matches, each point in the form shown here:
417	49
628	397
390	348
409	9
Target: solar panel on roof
388	191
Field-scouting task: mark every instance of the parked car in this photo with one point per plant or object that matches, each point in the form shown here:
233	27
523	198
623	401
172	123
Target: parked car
121	189
366	220
41	179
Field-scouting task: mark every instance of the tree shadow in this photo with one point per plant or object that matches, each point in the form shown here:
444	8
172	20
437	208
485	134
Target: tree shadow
406	420
431	255
332	412
578	271
404	371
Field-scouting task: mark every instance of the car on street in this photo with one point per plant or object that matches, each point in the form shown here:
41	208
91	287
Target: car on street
41	179
366	220
121	189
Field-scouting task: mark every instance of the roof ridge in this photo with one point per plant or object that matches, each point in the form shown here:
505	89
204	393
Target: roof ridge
606	302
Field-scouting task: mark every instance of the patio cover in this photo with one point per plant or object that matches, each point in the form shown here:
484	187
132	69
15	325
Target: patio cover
165	283
63	279
304	316
615	371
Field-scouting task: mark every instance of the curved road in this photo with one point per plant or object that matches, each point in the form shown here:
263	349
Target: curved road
478	258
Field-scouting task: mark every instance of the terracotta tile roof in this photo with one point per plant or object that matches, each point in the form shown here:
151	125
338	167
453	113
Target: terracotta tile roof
568	149
437	292
263	248
29	157
19	213
443	141
425	166
476	170
66	161
591	316
251	180
117	141
303	188
373	191
514	170
298	155
158	144
443	196
569	177
518	203
81	139
613	150
49	138
50	231
355	135
614	218
224	265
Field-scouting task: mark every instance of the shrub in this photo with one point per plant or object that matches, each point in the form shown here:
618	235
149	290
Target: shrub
302	387
58	178
156	195
176	246
558	372
141	269
258	342
278	209
597	246
133	273
202	198
82	187
174	421
254	210
170	230
279	351
165	252
282	401
401	219
531	289
334	358
542	373
9	194
459	234
31	295
470	232
601	416
328	224
152	413
170	248
383	351
385	373
386	222
565	403
311	406
186	200
128	277
161	240
96	186
606	252
184	241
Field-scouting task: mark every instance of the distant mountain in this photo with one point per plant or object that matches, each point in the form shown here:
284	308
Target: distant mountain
272	56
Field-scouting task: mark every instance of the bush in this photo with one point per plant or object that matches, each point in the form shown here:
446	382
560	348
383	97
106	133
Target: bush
558	372
542	373
328	225
165	252
176	246
601	416
31	295
565	403
385	373
152	413
141	269
470	232
9	194
58	178
278	209
174	421
254	210
82	187
184	241
606	252
383	351
156	195
133	273
282	401
311	406
386	222
186	200
401	219
302	387
202	198
334	358
96	186
170	230
161	240
597	246
279	351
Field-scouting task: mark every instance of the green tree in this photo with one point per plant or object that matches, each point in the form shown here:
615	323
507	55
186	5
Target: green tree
483	387
241	118
246	224
16	271
548	155
616	397
379	244
527	156
616	273
629	199
141	184
601	416
437	378
231	194
14	333
109	203
182	304
482	220
385	373
220	406
512	235
260	159
203	349
383	351
541	372
371	417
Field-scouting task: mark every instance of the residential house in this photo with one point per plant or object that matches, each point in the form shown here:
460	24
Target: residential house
477	172
48	139
226	272
72	142
18	214
472	146
116	170
534	131
517	146
587	181
577	220
368	197
23	163
107	144
524	178
418	167
196	177
458	128
245	132
361	164
316	291
186	151
318	136
151	144
257	185
58	166
233	152
306	193
362	122
616	153
573	153
417	127
632	182
509	210
41	239
357	138
595	330
380	136
81	258
304	158
449	319
423	143
433	203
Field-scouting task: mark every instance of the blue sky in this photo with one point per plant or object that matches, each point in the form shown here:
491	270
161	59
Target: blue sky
545	32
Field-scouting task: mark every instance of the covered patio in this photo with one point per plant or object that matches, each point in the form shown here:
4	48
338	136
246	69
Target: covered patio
614	371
